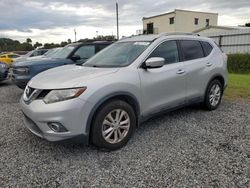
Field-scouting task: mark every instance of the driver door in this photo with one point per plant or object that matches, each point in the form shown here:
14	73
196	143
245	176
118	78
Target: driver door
84	53
163	88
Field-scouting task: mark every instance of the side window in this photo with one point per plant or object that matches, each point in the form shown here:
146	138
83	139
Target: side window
191	49
100	47
33	54
85	52
43	52
206	47
39	52
167	50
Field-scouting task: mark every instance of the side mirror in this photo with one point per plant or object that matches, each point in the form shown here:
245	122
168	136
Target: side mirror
154	62
75	57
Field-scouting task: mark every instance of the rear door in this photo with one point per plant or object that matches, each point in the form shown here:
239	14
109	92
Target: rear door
197	68
164	87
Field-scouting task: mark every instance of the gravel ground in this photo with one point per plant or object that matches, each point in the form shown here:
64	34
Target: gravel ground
186	148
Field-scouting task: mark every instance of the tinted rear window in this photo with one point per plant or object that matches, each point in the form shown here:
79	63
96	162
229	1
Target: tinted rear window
206	47
191	49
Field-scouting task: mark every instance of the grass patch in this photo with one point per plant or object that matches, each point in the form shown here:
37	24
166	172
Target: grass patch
238	86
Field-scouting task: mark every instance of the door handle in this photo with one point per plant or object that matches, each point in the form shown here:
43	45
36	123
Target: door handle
180	71
209	64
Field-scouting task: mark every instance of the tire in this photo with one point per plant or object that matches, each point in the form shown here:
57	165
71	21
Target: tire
213	95
108	132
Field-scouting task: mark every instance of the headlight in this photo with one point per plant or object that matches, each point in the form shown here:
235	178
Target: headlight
4	66
21	70
63	94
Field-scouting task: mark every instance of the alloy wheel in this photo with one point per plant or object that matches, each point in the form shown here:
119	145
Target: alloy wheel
215	95
115	126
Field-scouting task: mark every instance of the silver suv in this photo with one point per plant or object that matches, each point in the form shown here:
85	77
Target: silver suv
103	100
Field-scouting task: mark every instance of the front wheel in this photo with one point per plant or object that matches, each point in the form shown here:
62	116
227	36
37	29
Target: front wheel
113	125
213	95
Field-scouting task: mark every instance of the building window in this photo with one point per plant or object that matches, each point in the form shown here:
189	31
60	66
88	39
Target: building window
207	22
150	28
196	21
171	20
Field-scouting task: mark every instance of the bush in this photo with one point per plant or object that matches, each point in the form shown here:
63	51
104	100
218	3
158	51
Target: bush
239	63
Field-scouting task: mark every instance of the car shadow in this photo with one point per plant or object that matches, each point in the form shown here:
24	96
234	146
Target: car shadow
5	83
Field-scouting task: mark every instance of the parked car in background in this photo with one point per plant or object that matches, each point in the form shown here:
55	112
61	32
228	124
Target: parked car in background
103	100
76	53
49	53
33	53
8	58
3	71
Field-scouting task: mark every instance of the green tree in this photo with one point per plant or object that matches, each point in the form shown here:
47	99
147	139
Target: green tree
107	37
69	41
247	24
37	44
51	45
28	40
63	44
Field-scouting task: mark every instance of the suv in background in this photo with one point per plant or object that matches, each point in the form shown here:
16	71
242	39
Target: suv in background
33	53
76	53
103	100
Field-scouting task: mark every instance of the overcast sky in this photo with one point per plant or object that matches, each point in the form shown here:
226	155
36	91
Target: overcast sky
55	20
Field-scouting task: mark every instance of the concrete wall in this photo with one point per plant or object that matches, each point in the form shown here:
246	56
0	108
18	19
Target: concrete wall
184	21
161	23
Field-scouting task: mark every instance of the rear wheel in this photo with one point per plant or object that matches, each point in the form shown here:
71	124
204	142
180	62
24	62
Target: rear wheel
113	125
213	95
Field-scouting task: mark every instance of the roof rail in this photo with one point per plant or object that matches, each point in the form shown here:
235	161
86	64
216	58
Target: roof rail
177	33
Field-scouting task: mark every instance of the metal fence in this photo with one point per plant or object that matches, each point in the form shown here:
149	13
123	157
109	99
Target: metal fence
232	42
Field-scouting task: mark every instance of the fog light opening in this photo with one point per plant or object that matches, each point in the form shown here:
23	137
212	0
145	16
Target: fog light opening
57	127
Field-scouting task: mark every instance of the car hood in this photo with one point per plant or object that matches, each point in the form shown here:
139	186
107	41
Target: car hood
38	61
68	76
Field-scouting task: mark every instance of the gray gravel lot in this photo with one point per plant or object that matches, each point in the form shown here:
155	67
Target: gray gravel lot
186	148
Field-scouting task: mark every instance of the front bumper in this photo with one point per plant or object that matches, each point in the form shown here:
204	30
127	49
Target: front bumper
20	80
72	114
4	74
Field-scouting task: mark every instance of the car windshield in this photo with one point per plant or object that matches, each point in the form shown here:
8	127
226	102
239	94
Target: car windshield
29	53
50	52
118	55
63	53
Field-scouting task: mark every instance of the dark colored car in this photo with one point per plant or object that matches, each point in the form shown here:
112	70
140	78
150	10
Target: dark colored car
76	53
3	71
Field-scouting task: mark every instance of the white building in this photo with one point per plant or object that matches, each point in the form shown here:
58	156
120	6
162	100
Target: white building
179	21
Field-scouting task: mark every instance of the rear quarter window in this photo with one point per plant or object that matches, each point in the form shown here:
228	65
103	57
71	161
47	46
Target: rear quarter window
191	49
206	47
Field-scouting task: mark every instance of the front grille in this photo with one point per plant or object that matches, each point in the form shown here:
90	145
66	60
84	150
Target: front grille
28	91
31	94
43	94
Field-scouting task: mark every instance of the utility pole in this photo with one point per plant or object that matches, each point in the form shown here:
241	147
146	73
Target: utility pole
75	34
117	20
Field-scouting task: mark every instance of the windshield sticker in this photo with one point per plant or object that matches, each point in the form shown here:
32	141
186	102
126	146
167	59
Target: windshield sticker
141	43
